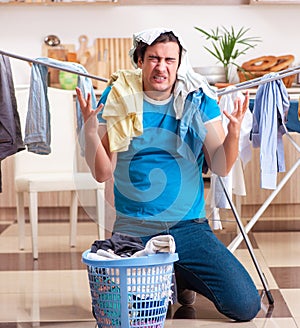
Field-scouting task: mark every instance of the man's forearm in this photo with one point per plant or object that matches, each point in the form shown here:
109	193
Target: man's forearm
226	155
97	158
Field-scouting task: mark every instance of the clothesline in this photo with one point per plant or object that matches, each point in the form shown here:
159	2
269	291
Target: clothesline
260	80
36	61
220	92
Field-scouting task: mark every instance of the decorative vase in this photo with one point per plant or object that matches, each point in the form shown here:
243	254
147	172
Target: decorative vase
213	74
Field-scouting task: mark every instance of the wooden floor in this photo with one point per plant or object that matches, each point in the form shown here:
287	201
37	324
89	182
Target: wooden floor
54	291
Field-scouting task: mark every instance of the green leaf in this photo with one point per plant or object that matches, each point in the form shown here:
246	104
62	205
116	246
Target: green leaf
227	44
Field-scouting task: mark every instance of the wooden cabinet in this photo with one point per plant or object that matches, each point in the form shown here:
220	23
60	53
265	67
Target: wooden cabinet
290	194
7	196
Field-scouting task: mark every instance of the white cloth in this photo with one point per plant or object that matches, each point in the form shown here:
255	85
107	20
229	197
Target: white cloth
234	181
216	219
161	243
187	79
227	103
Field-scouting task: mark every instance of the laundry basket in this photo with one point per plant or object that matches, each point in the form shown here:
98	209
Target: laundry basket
130	292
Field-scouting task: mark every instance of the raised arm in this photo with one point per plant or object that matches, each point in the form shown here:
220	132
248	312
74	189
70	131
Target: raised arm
221	151
97	154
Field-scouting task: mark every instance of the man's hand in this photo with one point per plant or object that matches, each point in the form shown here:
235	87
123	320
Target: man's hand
89	115
237	116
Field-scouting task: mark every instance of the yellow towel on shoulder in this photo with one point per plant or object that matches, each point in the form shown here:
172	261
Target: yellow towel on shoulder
123	110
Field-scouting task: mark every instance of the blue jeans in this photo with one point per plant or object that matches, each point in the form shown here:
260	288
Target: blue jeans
205	265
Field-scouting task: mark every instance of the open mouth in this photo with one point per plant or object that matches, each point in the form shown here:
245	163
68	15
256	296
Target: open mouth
159	78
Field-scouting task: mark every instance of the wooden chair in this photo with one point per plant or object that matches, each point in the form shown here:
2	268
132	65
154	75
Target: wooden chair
56	172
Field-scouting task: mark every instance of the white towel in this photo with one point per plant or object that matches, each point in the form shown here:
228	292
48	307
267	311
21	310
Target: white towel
227	103
234	181
161	243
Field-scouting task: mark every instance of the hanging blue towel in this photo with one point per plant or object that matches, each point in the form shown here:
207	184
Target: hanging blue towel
37	129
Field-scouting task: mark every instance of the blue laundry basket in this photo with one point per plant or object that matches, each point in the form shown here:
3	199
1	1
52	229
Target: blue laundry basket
131	292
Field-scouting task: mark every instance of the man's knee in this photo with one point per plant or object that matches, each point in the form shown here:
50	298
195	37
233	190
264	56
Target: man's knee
244	309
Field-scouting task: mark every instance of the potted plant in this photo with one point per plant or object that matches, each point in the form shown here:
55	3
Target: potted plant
228	45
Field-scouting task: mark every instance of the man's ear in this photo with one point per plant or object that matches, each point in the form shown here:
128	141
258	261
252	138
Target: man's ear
140	62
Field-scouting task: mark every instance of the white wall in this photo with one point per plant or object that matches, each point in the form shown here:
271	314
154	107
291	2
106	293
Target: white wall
23	28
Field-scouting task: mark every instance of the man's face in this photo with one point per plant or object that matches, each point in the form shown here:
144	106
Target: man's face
159	69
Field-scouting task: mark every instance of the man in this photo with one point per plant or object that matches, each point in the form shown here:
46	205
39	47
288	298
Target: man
159	124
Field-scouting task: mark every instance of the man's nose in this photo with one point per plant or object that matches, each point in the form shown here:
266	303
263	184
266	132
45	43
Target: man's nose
161	64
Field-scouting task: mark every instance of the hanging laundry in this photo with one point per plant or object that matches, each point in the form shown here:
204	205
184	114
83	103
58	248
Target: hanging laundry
271	106
123	108
10	127
11	140
234	181
37	129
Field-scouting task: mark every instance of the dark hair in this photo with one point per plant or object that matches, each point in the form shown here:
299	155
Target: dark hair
162	38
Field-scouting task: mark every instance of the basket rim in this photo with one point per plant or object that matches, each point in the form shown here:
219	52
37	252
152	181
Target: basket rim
148	260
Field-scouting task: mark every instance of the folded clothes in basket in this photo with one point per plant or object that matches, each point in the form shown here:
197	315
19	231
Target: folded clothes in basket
158	244
120	246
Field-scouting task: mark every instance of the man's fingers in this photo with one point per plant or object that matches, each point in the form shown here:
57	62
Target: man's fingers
226	114
83	102
99	108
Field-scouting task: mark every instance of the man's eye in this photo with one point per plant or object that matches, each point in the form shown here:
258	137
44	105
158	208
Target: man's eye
170	60
153	59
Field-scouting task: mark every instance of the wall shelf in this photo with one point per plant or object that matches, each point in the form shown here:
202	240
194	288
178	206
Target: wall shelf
184	2
274	2
124	2
56	3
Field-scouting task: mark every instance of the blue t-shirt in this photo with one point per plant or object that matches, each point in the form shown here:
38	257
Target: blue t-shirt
153	181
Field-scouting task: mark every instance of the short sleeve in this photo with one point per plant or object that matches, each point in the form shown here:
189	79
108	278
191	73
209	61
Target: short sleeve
209	109
102	100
